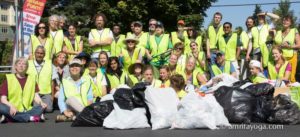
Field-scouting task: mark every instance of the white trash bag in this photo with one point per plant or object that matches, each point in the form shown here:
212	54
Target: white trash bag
126	119
199	112
162	103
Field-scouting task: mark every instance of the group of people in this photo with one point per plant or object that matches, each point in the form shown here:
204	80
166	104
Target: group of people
59	72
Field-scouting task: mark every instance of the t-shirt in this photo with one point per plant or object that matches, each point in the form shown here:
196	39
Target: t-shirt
288	68
22	82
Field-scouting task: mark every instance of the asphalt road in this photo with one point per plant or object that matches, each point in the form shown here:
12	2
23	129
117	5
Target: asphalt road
52	129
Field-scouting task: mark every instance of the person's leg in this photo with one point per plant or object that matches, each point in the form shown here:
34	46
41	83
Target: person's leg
293	62
4	110
74	104
36	111
48	100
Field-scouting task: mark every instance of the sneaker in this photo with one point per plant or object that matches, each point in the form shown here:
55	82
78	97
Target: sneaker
35	119
42	118
63	118
2	118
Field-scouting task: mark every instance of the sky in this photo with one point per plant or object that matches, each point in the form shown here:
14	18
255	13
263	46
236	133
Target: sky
238	15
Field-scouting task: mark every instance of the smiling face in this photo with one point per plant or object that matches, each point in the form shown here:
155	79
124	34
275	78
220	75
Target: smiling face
103	60
286	22
42	29
163	74
75	69
61	59
130	44
39	54
254	70
114	65
276	54
21	66
53	23
190	64
227	28
173	60
72	30
92	68
148	75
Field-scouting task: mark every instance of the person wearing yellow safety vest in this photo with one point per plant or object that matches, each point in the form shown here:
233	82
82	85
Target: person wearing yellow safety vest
115	74
191	75
131	28
152	26
157	46
85	59
148	76
117	44
174	66
289	40
139	34
192	36
229	43
199	55
260	34
178	84
222	66
18	94
135	74
131	53
164	76
75	92
55	33
98	81
101	38
278	67
256	72
214	31
73	43
43	71
179	50
179	35
41	37
246	40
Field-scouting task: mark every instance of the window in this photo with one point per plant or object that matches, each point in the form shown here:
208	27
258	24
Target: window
3	18
4	30
4	7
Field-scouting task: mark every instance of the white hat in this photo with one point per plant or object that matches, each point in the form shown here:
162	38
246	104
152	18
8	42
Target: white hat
255	63
75	61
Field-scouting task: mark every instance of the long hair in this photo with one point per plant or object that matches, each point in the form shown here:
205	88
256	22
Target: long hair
109	70
278	48
36	29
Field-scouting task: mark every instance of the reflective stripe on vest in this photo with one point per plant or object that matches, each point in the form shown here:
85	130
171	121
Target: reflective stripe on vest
217	71
70	47
43	78
22	99
290	38
35	42
97	85
117	46
58	41
213	36
228	48
175	39
273	73
70	89
97	36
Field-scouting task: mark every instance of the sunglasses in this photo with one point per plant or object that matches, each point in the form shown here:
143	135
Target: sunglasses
179	48
41	27
152	24
130	41
75	65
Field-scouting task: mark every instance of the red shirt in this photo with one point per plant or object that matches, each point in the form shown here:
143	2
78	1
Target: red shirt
22	81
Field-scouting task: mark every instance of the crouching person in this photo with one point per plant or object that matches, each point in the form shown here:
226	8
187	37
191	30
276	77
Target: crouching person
256	72
75	93
18	94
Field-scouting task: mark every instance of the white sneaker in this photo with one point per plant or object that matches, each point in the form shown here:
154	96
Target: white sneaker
2	118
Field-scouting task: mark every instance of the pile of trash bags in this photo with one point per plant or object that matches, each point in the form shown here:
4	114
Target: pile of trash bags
256	103
143	106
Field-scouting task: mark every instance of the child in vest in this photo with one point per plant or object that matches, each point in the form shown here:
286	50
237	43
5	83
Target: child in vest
256	72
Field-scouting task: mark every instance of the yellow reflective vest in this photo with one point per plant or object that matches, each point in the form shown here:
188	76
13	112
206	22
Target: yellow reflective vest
259	41
273	74
35	42
70	47
229	48
97	36
117	46
290	38
58	40
213	36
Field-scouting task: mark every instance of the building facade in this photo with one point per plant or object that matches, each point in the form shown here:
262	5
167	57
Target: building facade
7	20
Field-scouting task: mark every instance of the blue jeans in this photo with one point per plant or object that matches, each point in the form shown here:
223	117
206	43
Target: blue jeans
20	116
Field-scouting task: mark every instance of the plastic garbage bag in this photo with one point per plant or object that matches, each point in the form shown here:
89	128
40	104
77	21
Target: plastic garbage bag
285	111
124	98
238	104
162	103
260	89
199	112
94	114
126	119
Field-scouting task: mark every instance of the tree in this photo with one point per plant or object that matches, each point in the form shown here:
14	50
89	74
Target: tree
284	10
167	11
256	11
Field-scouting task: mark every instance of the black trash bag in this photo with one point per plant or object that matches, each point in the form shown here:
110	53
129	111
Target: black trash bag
285	111
124	98
238	104
240	83
139	97
260	89
94	114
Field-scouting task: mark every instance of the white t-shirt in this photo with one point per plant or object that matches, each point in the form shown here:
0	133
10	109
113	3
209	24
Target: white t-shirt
100	33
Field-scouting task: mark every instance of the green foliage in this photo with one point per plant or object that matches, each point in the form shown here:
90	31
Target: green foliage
256	11
168	11
2	77
284	10
6	50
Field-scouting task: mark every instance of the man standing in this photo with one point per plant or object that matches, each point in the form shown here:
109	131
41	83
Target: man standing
180	34
117	43
215	30
56	34
100	39
152	26
42	70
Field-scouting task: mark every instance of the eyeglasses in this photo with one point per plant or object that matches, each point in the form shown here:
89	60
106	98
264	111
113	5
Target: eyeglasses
130	41
179	48
41	27
226	27
152	24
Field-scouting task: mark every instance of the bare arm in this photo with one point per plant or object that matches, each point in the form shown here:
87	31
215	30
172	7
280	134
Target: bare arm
12	108
249	51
